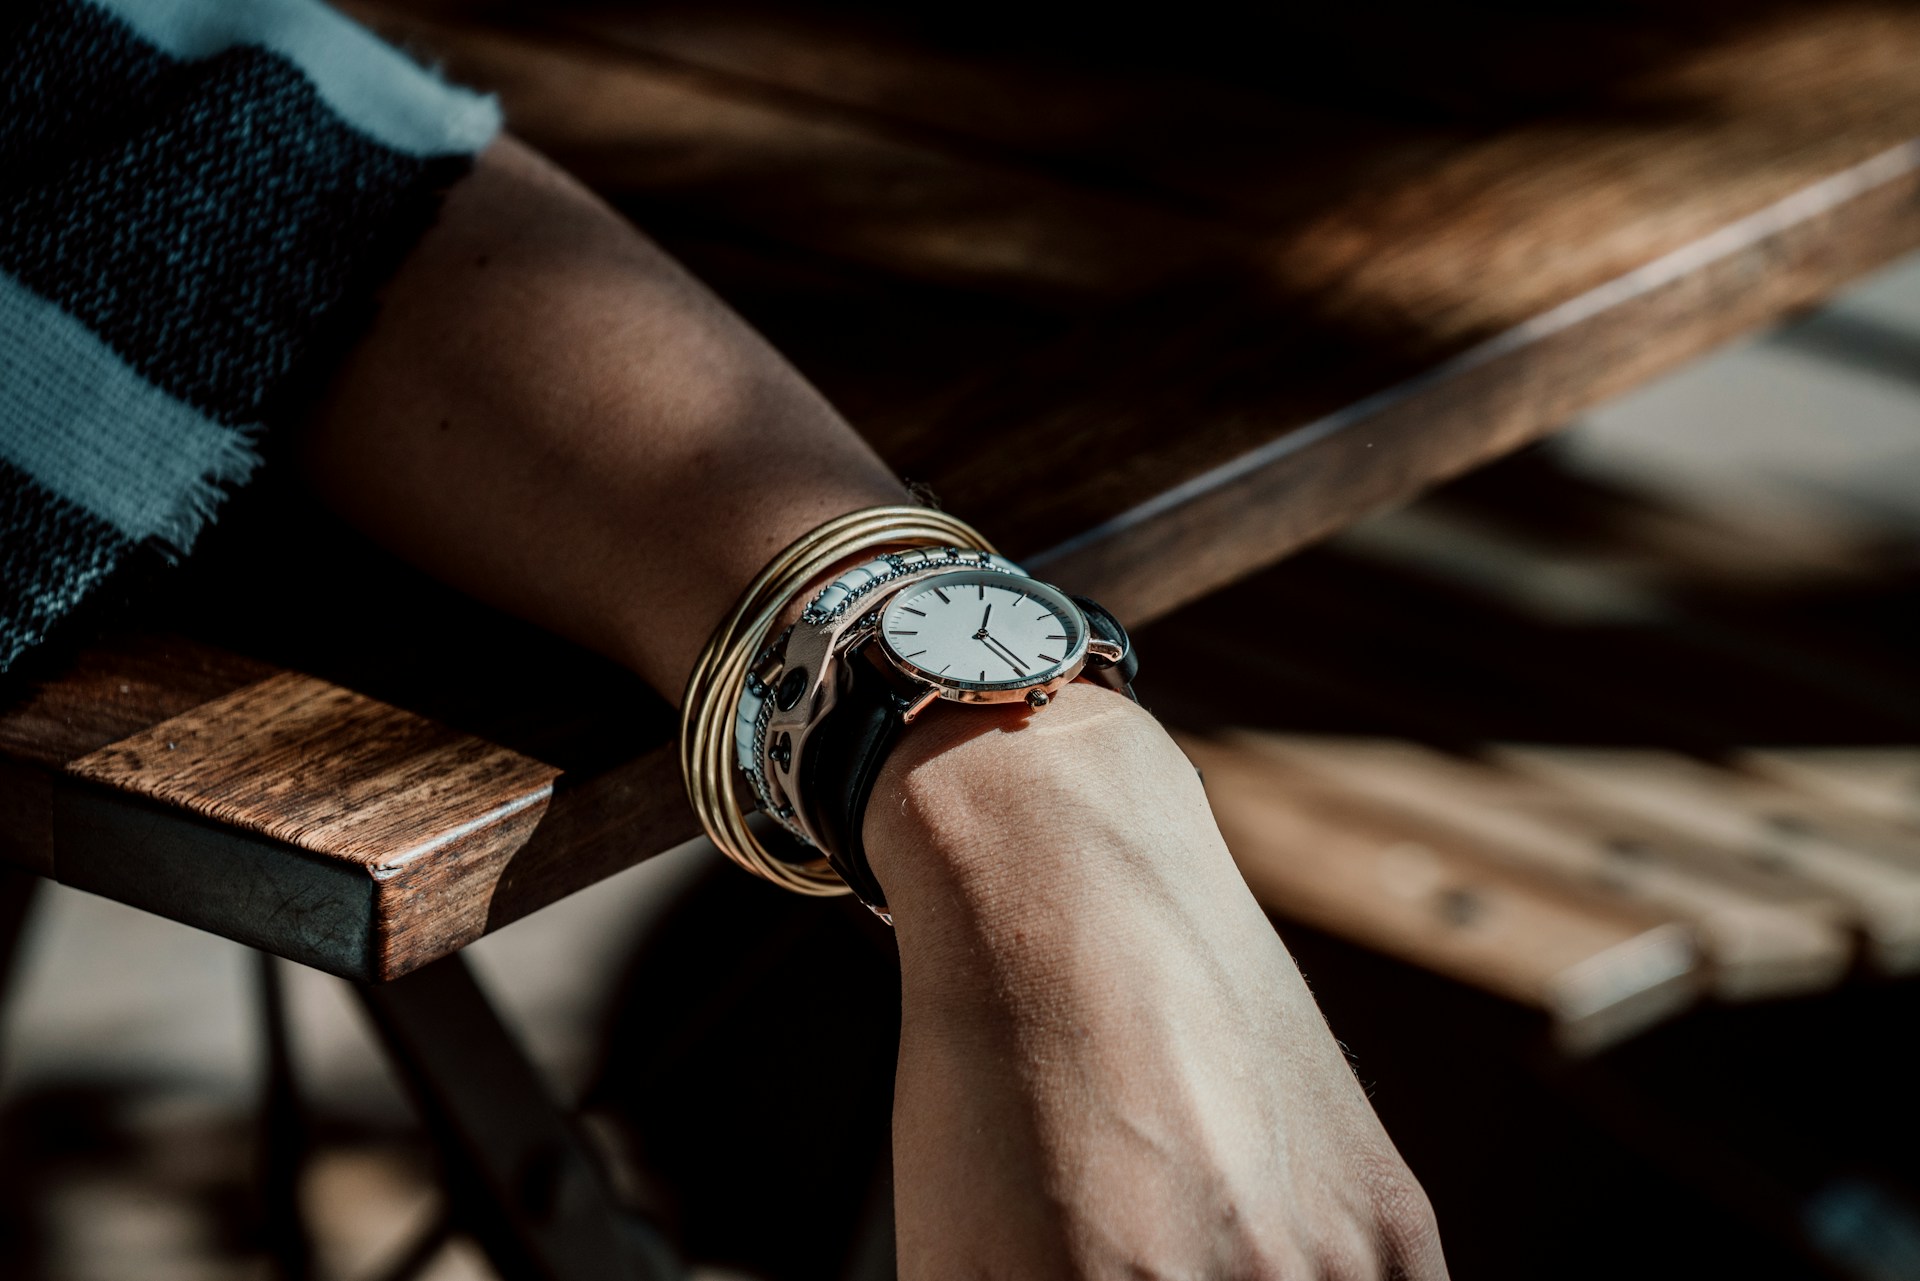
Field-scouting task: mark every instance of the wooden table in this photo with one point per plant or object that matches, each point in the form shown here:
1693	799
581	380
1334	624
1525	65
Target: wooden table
1155	303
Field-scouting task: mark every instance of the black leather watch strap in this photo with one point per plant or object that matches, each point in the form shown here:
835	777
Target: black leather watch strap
841	765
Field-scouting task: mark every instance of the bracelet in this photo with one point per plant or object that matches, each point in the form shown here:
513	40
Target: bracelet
708	711
853	593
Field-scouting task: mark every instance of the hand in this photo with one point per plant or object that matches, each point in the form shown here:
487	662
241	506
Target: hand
1108	1064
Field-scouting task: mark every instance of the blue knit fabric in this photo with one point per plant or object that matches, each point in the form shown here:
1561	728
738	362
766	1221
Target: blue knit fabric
178	238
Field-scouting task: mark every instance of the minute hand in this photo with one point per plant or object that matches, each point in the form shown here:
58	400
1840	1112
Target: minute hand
1005	653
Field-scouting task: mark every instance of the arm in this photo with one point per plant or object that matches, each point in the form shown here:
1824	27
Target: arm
1108	1061
549	414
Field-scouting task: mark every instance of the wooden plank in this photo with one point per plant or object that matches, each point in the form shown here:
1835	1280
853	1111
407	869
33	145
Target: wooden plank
1601	969
353	836
1226	107
803	175
328	770
1875	872
1765	934
426	817
120	684
1881	781
1259	503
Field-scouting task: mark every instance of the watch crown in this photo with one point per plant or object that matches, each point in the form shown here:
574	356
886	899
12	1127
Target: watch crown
1038	697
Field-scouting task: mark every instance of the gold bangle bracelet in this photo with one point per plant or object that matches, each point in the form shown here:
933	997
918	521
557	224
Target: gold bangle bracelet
707	723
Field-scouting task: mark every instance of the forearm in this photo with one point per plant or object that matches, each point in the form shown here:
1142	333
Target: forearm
551	415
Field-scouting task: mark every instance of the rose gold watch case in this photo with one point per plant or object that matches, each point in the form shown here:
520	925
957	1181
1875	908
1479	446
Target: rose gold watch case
820	650
1018	690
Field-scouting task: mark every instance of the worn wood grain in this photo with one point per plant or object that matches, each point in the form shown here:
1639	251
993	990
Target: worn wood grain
119	684
1873	868
426	816
1225	292
1259	385
1765	932
326	769
1601	967
1881	781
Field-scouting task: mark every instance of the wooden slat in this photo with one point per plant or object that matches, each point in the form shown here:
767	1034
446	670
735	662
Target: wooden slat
392	839
1765	934
115	687
427	817
1601	968
328	770
1877	874
1881	781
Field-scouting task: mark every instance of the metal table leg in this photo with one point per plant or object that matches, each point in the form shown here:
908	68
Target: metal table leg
521	1180
283	1142
17	887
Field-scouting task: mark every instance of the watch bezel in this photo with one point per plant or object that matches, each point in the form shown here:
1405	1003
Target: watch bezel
1015	689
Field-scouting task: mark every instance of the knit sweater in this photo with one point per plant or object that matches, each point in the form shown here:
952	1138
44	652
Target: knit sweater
193	193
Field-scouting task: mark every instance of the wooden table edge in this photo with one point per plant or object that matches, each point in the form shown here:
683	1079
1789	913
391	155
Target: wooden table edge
1784	257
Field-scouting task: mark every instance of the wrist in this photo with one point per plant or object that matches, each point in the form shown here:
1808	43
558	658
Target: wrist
1013	814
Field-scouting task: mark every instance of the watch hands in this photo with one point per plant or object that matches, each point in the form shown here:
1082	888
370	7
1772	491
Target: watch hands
1003	652
982	633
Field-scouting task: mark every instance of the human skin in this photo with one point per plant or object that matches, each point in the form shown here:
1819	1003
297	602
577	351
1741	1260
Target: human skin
1109	1066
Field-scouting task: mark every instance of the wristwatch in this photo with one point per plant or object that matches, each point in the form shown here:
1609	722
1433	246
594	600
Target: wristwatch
877	647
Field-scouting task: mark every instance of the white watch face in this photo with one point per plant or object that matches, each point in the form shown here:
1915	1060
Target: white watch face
983	630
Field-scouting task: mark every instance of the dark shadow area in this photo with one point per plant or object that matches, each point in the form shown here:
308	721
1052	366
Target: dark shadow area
83	1150
1768	1141
749	1059
1588	633
1857	342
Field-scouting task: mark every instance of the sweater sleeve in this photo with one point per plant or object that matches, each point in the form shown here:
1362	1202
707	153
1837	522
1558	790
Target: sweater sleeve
194	195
